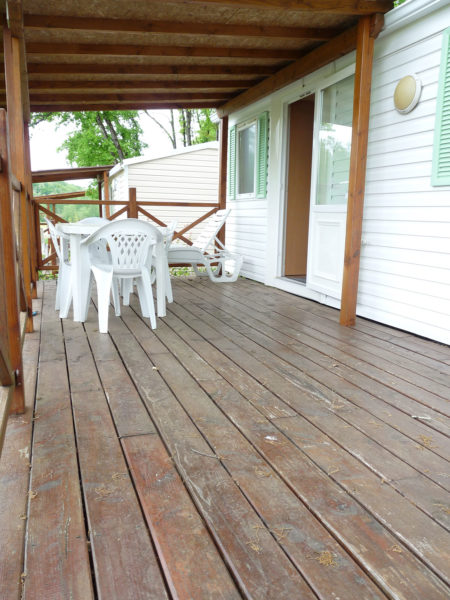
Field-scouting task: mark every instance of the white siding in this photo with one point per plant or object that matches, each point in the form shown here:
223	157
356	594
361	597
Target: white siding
185	177
405	258
246	234
189	176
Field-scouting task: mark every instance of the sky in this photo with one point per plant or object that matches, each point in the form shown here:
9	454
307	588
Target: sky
45	140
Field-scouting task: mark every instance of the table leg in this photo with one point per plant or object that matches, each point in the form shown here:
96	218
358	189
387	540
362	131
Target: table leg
80	278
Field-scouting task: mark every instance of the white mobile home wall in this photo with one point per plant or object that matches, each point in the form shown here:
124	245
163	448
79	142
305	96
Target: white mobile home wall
185	175
405	256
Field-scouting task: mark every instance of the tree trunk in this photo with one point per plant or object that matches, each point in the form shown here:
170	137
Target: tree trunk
115	139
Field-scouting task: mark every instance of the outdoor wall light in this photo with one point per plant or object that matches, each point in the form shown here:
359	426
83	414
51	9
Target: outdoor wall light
407	94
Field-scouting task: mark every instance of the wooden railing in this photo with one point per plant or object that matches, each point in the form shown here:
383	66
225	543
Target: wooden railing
15	282
132	208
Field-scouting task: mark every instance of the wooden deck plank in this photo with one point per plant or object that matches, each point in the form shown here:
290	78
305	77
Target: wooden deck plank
191	563
291	460
425	390
57	561
231	520
357	386
128	411
405	506
15	473
404	340
346	339
289	383
125	563
303	538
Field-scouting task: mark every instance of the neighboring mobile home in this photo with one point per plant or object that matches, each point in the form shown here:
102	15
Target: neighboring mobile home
184	175
289	212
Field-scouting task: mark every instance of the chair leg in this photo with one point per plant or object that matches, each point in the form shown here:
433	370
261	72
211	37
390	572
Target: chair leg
116	295
169	293
146	298
103	280
127	288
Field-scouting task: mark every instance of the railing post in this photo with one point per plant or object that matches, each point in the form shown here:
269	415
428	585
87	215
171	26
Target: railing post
106	193
11	299
31	213
132	204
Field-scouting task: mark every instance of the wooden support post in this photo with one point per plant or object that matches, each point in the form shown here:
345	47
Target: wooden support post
106	193
223	154
99	187
14	99
132	204
357	179
11	299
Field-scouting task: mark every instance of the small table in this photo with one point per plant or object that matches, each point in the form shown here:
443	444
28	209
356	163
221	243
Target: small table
81	266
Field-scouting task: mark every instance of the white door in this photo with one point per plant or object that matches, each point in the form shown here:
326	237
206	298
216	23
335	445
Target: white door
329	190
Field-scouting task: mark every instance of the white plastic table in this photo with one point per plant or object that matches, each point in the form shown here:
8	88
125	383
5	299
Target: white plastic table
81	269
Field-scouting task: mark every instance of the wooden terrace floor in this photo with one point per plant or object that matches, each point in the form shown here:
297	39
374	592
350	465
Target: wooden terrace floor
249	447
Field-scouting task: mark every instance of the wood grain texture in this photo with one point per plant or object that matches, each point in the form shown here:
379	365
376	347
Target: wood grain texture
192	564
357	175
124	560
57	558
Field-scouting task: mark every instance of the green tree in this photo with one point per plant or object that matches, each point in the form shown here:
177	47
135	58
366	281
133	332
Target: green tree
98	137
197	126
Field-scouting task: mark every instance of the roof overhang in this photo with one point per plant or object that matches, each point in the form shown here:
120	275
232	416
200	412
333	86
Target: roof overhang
106	55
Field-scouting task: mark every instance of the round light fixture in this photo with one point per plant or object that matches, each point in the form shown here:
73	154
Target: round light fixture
407	94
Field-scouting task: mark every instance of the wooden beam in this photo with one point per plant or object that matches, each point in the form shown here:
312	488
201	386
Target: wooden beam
114	97
128	69
11	299
31	214
54	48
223	155
321	56
357	178
343	7
49	198
18	155
138	84
66	174
191	28
72	106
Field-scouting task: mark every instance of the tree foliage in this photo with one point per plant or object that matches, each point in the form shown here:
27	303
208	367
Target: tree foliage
98	137
69	212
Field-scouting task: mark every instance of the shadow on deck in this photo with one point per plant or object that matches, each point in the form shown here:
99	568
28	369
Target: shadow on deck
249	447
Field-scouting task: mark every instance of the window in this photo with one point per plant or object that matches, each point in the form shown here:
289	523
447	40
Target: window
335	142
441	152
247	158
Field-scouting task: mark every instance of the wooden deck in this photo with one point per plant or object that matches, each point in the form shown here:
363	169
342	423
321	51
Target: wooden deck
249	447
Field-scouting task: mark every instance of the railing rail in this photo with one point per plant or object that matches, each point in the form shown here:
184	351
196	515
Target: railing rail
131	207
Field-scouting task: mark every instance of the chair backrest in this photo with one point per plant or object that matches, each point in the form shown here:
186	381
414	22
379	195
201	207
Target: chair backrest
130	242
95	221
59	240
211	228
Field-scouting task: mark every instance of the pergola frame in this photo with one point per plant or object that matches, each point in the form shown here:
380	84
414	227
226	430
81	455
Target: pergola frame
225	66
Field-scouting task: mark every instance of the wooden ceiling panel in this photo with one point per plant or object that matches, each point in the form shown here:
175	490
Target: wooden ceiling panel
174	53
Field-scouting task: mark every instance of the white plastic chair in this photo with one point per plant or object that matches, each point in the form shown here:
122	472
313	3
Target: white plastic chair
221	264
64	282
131	244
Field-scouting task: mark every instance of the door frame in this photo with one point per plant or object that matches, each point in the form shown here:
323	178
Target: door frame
315	87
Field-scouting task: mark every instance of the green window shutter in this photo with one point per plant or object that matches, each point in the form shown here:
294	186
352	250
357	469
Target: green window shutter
261	155
231	169
441	152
